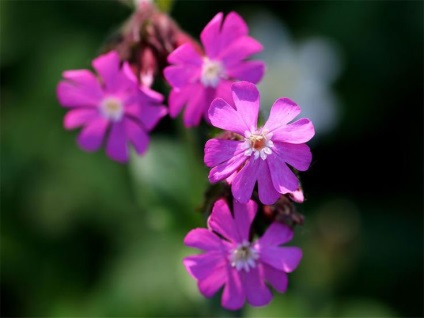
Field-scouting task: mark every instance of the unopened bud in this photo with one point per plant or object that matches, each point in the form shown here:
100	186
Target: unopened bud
146	39
284	211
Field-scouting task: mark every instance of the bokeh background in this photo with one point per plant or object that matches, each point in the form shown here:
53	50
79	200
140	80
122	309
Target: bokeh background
84	236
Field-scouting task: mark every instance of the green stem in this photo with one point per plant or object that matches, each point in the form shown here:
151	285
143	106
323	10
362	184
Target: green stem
165	5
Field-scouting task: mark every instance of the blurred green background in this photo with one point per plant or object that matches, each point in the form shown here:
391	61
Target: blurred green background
84	236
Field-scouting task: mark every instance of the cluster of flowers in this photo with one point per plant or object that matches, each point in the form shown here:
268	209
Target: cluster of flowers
216	82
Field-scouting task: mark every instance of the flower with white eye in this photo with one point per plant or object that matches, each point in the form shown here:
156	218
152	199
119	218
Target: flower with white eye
199	77
239	264
263	154
258	143
110	107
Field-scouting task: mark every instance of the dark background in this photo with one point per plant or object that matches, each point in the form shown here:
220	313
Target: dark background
84	236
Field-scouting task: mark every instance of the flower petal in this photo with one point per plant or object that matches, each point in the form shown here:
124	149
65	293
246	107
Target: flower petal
245	180
179	76
86	80
296	133
239	50
136	135
281	258
116	147
218	151
257	293
222	222
283	179
79	117
177	99
197	104
225	169
211	284
243	217
147	108
298	156
185	54
223	115
276	234
210	36
152	115
282	111
233	296
203	265
278	279
267	193
128	72
223	90
297	196
150	96
230	178
109	69
203	239
246	99
91	137
251	71
233	28
79	89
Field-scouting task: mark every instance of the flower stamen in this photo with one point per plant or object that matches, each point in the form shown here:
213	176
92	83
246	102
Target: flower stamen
258	143
112	108
212	72
243	256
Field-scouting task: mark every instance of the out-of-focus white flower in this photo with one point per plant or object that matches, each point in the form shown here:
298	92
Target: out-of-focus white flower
302	71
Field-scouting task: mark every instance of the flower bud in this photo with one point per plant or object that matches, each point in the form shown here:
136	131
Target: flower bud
146	39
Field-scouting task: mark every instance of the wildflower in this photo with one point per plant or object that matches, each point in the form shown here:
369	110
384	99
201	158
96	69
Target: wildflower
197	78
232	260
112	107
261	154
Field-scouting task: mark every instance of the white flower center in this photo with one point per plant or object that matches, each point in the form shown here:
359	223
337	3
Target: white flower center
243	256
258	142
212	71
112	108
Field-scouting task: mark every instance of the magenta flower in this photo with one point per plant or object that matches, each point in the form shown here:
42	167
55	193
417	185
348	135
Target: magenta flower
112	108
197	79
233	261
262	154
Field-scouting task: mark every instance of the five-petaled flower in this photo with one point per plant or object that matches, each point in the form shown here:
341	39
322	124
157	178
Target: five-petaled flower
113	105
197	79
232	260
261	155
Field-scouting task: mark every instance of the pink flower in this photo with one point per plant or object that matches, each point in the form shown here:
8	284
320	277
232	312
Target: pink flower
233	261
112	107
197	79
262	154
